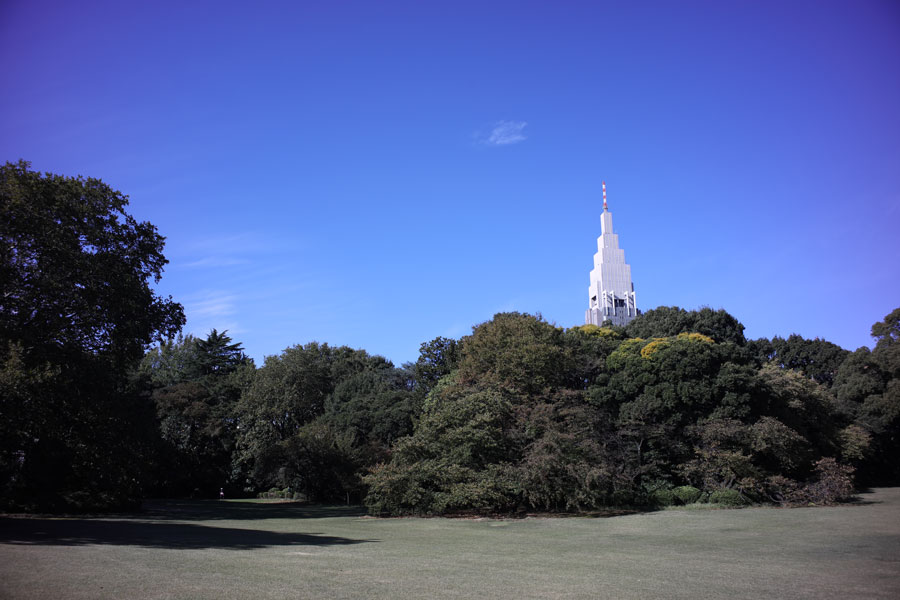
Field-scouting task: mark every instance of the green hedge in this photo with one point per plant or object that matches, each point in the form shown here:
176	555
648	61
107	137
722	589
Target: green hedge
727	498
687	494
663	497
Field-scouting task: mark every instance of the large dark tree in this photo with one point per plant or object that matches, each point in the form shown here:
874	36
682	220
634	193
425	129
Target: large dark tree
76	313
76	270
656	389
516	353
315	414
503	431
195	385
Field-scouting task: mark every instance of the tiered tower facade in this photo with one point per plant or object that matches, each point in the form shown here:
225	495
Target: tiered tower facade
611	292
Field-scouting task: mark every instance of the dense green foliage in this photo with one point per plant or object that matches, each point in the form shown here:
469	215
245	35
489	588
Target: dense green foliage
315	416
538	418
195	385
677	407
667	321
817	359
867	391
76	313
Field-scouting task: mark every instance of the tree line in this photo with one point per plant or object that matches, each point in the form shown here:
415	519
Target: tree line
104	402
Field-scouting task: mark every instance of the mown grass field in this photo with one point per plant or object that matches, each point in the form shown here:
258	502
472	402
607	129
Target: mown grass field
222	550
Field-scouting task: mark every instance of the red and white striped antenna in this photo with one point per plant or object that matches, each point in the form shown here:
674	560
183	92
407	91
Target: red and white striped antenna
604	197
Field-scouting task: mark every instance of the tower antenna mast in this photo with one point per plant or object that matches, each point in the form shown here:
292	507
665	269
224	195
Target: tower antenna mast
604	197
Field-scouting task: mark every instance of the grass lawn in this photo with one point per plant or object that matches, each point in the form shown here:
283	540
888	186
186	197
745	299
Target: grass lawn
241	549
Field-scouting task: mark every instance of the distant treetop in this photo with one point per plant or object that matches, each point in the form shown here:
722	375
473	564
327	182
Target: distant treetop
668	321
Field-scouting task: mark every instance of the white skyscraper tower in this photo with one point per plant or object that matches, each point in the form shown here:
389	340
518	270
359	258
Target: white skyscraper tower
611	293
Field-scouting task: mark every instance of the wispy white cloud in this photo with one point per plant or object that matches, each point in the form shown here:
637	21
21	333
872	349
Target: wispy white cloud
224	242
215	261
506	132
228	250
210	308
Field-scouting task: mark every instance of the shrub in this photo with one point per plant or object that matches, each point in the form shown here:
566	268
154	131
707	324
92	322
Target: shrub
834	483
663	497
274	494
783	490
727	498
626	498
687	494
856	443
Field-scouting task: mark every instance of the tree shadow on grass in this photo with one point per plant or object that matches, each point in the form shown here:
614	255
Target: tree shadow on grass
150	534
235	510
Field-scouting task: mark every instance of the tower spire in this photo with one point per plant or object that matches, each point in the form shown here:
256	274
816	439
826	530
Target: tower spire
604	197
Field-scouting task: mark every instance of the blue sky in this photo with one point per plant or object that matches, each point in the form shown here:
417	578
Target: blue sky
380	173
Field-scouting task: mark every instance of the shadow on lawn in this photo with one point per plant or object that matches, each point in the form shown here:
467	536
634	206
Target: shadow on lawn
82	532
235	510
